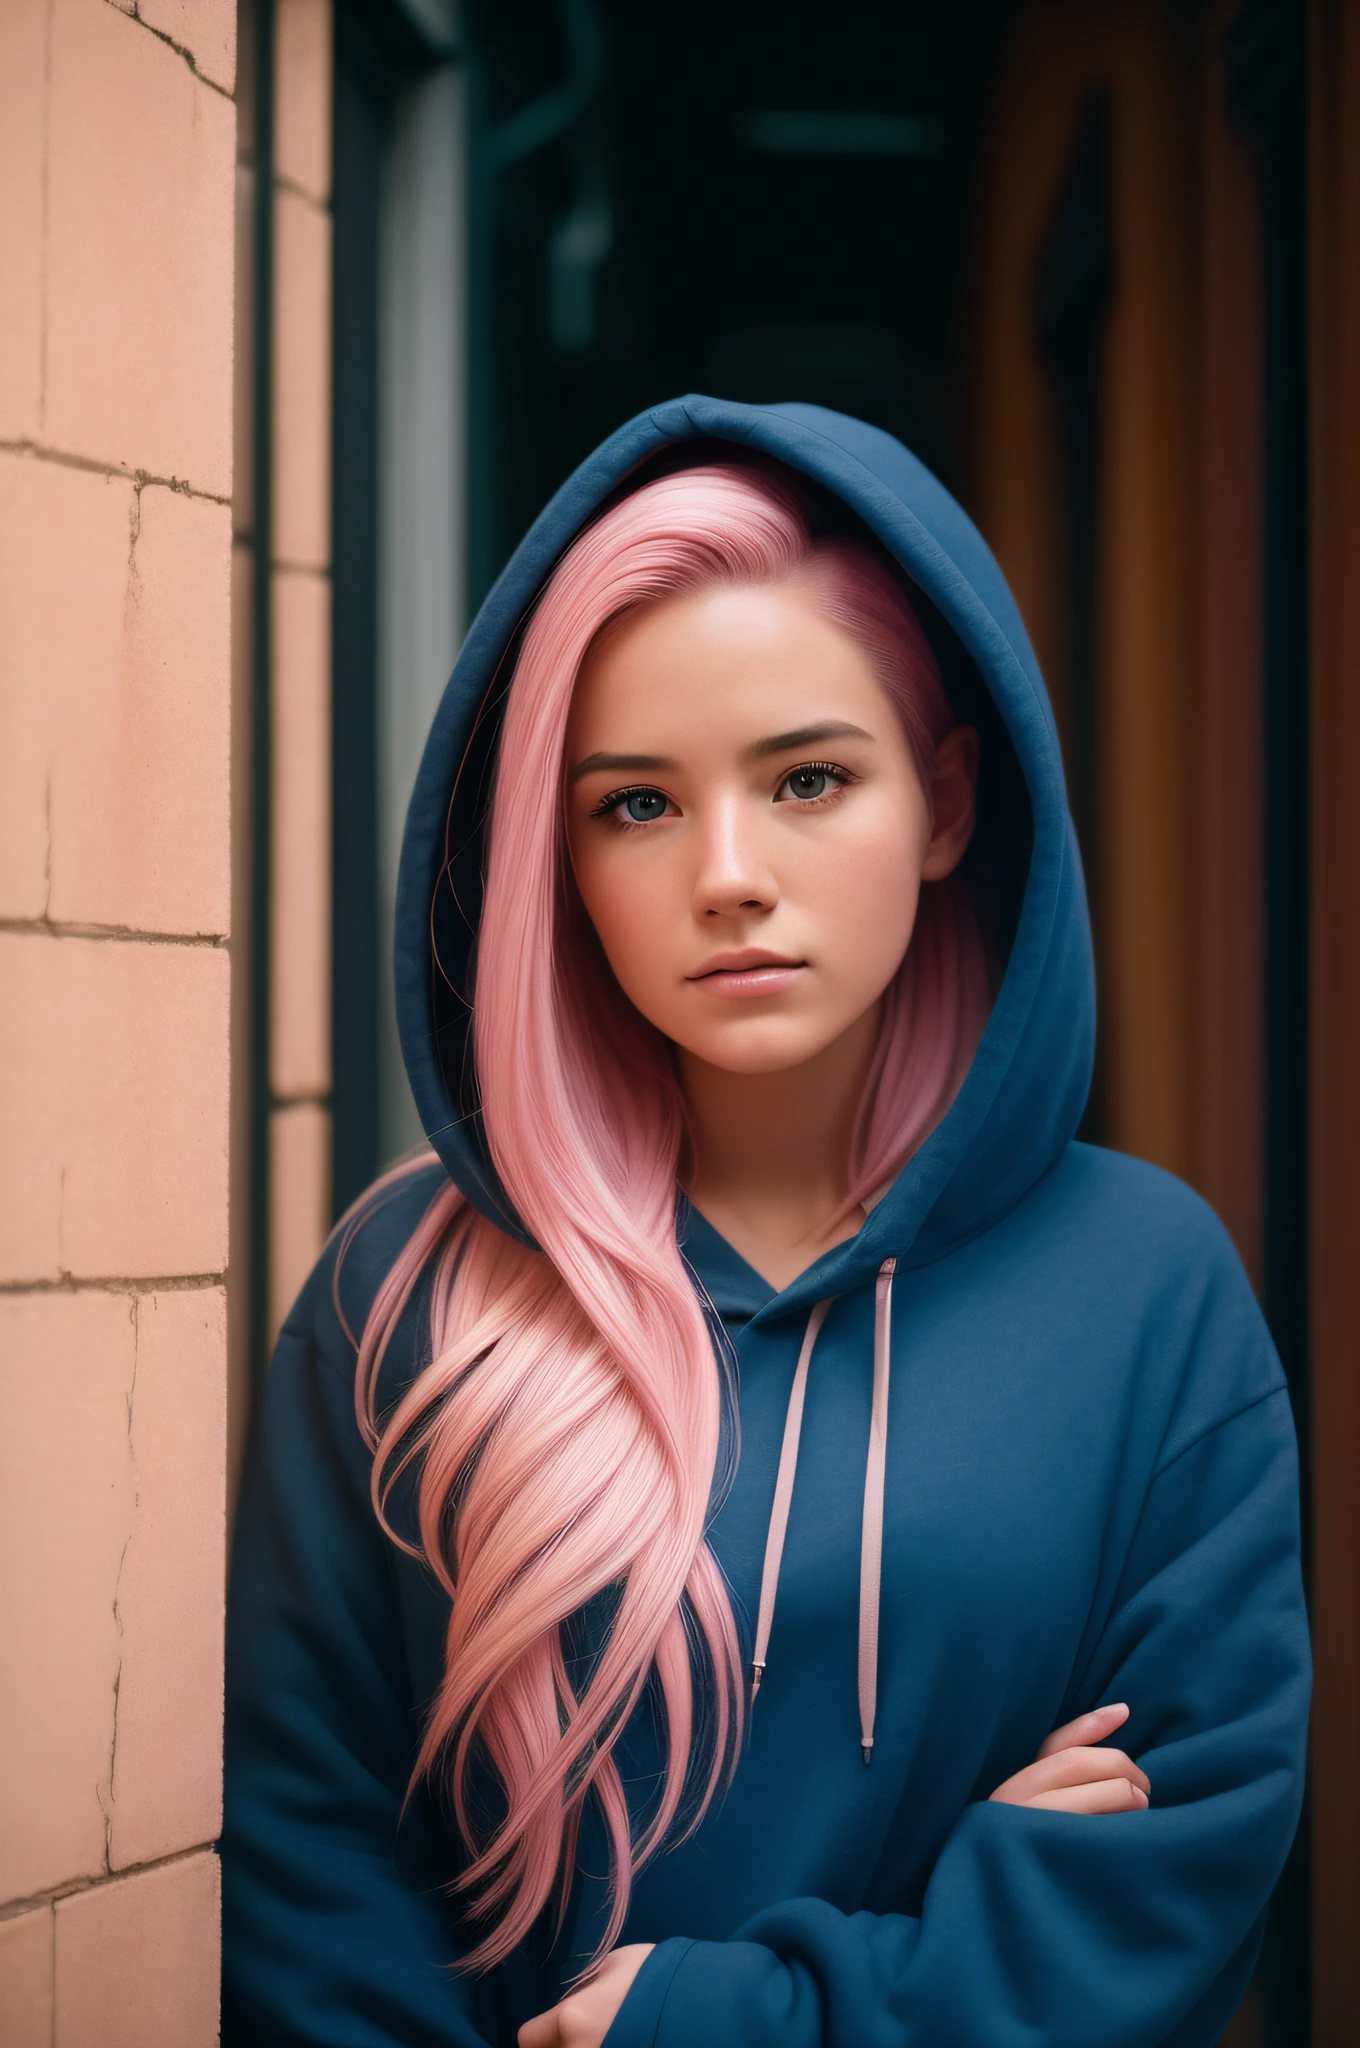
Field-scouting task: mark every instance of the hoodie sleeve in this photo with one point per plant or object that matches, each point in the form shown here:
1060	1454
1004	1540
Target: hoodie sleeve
332	1932
1099	1932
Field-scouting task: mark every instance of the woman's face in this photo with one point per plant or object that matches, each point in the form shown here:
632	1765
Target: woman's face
746	823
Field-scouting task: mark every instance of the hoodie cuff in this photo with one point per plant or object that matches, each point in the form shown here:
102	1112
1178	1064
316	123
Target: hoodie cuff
637	2019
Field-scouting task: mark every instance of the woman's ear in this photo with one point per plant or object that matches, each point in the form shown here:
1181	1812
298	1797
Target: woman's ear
953	802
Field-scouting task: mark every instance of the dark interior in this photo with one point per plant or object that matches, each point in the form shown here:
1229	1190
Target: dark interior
760	201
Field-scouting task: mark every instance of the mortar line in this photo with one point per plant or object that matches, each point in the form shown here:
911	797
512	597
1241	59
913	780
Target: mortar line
72	1887
65	459
117	1284
113	934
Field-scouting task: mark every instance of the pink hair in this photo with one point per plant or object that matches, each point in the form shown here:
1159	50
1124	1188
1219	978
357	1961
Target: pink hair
566	1430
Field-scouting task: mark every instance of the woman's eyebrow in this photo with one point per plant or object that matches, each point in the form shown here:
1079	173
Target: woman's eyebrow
777	743
618	764
807	736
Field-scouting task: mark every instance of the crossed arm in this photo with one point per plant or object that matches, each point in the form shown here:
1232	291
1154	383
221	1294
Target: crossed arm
1071	1774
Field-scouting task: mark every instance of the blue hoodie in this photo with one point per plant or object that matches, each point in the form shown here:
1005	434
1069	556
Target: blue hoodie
1091	1495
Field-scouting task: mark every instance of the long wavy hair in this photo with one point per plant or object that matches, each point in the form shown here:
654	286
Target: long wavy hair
562	1441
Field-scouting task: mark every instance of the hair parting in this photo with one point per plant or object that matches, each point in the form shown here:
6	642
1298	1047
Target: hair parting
563	1437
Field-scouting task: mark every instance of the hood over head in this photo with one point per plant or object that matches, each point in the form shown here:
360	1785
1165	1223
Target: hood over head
1026	1088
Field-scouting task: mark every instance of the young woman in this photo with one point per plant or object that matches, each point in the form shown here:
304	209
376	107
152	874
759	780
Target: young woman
708	1516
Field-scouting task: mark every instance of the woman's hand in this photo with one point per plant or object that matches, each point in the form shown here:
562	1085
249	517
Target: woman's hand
582	2019
1069	1775
1072	1777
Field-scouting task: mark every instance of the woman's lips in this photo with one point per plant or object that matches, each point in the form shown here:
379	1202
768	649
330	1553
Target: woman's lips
747	975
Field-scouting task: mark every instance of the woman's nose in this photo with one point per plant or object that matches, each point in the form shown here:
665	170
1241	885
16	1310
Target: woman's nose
733	874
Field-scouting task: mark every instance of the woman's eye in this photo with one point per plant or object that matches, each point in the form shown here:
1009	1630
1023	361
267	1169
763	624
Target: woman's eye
638	806
628	807
805	785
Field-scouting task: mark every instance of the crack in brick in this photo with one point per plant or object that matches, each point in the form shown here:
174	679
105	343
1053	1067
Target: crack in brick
134	1317
133	13
132	597
107	1810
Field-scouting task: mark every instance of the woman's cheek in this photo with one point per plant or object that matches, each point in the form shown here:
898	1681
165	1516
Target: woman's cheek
638	932
860	899
648	967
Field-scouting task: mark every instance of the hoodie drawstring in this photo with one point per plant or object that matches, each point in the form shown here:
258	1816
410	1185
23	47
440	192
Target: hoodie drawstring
871	1539
871	1536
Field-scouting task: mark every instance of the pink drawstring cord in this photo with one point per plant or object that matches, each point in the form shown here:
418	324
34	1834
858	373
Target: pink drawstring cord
871	1538
783	1494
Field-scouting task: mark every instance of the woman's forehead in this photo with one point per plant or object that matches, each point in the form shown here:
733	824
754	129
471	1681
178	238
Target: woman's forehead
725	658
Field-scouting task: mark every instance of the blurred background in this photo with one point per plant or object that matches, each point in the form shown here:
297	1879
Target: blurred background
1063	252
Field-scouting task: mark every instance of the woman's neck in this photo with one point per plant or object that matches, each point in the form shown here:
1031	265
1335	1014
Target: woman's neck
771	1152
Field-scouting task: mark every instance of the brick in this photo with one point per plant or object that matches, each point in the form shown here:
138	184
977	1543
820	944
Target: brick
26	1980
23	149
299	1201
64	542
302	96
138	1961
301	400
115	690
300	810
113	1108
66	1511
167	1776
139	252
205	29
140	800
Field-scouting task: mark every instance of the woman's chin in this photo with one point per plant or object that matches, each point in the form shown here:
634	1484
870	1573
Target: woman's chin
758	1047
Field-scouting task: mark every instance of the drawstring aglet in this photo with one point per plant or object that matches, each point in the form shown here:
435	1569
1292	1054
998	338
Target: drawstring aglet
757	1673
866	1750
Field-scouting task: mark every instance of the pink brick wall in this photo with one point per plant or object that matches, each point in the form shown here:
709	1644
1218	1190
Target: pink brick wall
117	184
